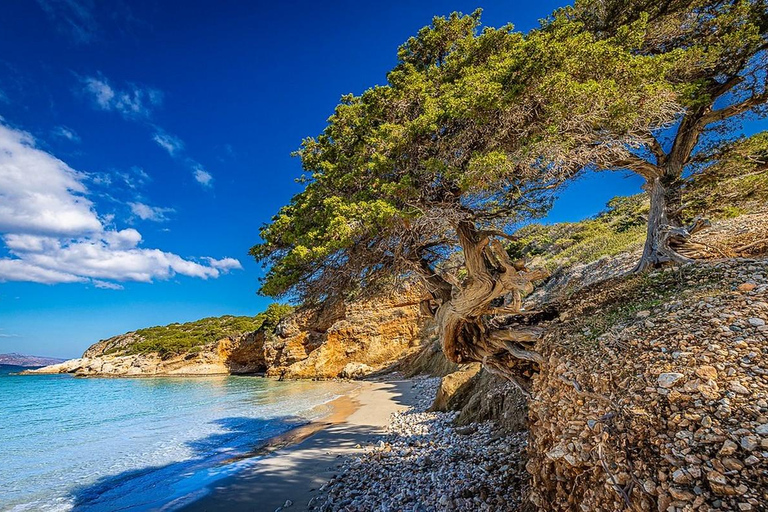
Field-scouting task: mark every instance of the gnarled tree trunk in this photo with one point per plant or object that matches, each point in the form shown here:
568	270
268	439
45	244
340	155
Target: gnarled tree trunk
665	233
494	285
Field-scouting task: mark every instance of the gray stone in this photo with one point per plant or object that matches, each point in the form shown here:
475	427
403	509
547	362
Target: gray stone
667	380
749	443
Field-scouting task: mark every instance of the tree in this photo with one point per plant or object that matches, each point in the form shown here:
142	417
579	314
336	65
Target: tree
720	50
730	176
473	132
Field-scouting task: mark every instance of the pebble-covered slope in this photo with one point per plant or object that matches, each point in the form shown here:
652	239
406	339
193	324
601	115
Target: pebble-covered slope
654	395
427	464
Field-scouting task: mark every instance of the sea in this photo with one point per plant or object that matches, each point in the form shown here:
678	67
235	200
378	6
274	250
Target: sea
134	444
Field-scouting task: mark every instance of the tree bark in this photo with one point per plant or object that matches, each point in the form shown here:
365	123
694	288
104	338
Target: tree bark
463	321
665	233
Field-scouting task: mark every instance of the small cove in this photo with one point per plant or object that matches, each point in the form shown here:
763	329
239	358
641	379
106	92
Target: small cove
137	444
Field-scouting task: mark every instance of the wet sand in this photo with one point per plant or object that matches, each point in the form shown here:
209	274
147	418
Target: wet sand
298	463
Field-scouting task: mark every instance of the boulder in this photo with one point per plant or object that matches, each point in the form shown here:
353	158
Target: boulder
452	383
355	371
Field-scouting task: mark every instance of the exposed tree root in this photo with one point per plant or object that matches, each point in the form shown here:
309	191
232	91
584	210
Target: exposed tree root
672	245
494	286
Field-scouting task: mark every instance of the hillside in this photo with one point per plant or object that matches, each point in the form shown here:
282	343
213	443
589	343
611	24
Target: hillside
723	191
15	359
187	338
338	339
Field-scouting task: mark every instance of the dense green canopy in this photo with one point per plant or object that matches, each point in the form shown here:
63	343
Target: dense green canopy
472	125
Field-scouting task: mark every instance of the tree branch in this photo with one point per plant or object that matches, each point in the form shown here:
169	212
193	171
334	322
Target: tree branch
655	146
735	109
639	165
726	86
496	232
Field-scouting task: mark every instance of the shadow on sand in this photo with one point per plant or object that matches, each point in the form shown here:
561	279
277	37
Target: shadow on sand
226	469
213	457
298	471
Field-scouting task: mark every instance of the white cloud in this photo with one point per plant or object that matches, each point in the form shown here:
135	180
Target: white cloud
107	285
30	243
116	256
168	142
134	102
40	194
146	212
175	147
135	178
203	177
66	133
20	270
54	235
225	264
101	92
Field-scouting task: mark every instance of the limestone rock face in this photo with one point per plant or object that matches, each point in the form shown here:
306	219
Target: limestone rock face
341	339
322	343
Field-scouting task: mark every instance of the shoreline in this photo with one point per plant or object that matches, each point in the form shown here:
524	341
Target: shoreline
295	465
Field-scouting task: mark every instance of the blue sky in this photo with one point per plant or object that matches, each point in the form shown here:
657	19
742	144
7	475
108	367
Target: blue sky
146	142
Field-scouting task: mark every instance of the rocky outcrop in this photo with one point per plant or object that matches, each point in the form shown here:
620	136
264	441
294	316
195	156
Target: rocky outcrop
369	335
233	355
451	384
341	339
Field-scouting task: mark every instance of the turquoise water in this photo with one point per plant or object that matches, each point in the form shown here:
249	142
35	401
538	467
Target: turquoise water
137	444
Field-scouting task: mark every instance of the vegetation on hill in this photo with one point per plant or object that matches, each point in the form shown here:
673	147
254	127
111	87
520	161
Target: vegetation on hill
733	182
621	227
179	338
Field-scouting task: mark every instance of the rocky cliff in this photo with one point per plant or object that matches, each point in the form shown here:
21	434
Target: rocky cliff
348	339
340	339
235	354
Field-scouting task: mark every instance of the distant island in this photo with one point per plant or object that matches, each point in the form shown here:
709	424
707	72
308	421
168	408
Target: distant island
14	359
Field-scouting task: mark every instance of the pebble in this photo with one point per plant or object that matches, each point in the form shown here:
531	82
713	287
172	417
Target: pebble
427	464
688	393
667	380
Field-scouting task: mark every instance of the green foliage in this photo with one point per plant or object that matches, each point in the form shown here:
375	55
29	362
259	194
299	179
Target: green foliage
621	227
474	125
191	336
711	40
732	180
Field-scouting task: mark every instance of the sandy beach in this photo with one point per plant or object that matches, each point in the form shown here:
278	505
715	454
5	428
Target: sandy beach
298	464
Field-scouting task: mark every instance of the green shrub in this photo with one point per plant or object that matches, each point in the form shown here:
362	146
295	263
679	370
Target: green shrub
179	338
621	227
